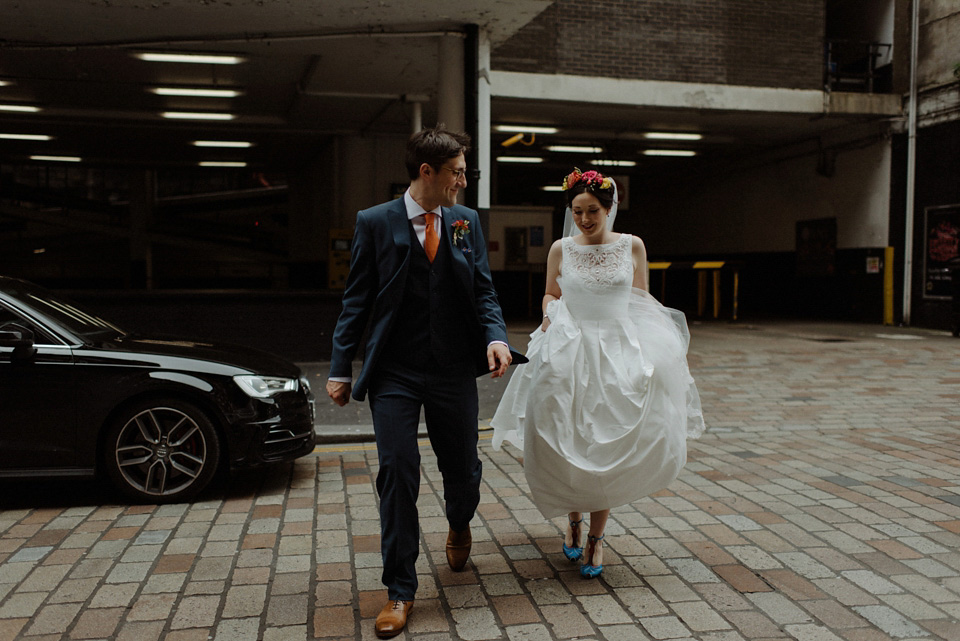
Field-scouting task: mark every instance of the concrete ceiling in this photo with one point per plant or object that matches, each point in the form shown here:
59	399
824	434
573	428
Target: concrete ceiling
313	68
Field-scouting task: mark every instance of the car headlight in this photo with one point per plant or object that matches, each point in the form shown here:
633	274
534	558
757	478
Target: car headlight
266	386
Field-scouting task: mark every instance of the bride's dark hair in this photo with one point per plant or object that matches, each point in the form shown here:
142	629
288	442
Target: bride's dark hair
605	196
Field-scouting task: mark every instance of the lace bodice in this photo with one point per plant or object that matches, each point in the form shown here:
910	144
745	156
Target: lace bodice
596	280
598	267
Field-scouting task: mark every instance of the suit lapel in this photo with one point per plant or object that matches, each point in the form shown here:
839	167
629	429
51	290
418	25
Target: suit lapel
460	265
400	226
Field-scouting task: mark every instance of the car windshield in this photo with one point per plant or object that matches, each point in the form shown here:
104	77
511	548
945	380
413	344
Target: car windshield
60	310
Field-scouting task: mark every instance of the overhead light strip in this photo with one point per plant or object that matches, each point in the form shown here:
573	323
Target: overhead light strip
221	163
57	158
25	137
666	135
23	108
190	58
197	93
225	144
669	152
190	115
574	149
600	162
520	159
526	129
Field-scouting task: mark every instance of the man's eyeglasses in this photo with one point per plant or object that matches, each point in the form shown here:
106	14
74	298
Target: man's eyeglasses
459	173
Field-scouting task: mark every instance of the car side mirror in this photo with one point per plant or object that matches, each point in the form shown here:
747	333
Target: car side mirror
20	339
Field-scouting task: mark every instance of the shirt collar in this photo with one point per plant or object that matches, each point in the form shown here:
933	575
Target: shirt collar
413	207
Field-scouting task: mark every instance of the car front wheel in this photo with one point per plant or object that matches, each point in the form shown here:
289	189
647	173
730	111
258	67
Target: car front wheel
163	451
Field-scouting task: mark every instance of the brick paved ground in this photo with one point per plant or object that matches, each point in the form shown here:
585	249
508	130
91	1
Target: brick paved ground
823	504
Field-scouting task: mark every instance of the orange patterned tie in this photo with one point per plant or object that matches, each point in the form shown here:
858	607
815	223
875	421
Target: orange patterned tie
432	241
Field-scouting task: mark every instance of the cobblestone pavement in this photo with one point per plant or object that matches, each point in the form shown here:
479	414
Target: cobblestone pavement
823	504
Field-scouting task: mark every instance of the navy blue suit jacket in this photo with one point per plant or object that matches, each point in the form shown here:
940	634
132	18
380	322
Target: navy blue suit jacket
380	255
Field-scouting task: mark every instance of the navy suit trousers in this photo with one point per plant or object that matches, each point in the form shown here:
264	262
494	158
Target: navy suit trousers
448	396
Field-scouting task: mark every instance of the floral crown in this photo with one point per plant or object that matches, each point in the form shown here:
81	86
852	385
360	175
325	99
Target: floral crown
592	179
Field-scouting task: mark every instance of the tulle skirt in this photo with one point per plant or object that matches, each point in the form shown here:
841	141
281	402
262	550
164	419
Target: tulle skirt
605	406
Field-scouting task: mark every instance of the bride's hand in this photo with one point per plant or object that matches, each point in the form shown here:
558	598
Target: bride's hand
545	324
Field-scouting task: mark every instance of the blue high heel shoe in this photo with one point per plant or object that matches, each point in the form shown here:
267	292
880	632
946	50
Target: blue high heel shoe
588	571
574	552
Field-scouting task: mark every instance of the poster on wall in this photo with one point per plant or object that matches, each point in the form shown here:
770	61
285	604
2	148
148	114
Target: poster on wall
941	249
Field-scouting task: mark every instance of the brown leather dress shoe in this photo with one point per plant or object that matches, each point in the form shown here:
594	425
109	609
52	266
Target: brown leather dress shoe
458	549
392	618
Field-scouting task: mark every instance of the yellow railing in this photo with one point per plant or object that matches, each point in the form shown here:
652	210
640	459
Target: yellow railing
702	267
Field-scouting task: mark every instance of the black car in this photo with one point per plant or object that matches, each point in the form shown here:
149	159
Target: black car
157	415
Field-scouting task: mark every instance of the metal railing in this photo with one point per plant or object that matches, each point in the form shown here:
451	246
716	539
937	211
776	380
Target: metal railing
851	65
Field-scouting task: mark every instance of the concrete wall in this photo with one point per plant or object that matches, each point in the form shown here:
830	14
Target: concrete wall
939	35
755	208
739	42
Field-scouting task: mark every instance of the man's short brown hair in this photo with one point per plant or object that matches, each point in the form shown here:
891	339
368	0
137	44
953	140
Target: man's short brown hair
435	147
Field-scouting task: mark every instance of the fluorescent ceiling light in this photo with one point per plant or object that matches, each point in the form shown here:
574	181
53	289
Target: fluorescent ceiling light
668	152
520	159
222	163
25	137
574	149
199	93
4	83
190	58
666	135
24	108
57	158
552	188
526	129
188	115
614	163
230	144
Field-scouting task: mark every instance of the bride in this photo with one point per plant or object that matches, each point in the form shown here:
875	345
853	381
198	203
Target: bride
603	409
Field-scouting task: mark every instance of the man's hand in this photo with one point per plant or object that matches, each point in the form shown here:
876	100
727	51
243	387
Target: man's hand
499	359
339	392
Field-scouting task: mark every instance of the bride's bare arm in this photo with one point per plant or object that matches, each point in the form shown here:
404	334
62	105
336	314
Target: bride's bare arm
639	264
552	290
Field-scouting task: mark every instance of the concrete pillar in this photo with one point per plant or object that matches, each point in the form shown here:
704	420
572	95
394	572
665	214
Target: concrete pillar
417	119
482	142
143	200
450	83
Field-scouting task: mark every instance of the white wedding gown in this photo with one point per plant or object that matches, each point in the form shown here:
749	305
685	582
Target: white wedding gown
604	407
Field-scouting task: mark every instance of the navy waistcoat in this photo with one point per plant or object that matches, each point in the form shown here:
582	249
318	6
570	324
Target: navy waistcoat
432	325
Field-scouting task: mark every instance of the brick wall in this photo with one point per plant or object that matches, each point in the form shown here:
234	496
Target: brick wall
769	43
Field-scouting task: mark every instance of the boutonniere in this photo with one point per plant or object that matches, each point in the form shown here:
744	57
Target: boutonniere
460	229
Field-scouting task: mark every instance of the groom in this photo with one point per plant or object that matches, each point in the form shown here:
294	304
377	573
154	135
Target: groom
419	277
